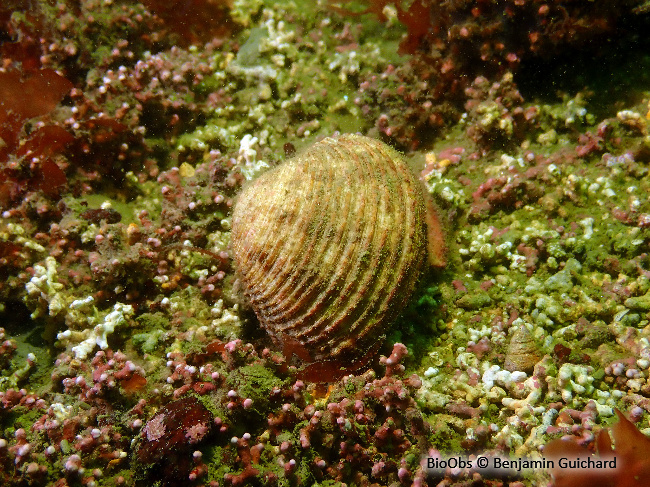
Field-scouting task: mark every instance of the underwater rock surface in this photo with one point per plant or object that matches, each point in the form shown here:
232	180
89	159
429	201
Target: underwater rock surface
128	131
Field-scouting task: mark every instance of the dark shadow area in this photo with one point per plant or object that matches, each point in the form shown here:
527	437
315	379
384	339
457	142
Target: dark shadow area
17	322
27	335
615	69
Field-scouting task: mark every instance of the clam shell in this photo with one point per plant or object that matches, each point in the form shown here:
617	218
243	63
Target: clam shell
329	245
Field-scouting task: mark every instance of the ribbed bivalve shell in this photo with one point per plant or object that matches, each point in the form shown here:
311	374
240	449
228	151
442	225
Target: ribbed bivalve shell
329	245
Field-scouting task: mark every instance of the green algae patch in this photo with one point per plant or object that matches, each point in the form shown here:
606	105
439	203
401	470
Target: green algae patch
19	417
641	303
328	483
153	321
594	334
443	436
218	458
608	353
257	383
154	325
148	342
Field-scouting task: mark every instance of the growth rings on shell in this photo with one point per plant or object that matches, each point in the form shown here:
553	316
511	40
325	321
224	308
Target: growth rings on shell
329	245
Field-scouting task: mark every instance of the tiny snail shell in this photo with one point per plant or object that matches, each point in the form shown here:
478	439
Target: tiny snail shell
523	352
330	244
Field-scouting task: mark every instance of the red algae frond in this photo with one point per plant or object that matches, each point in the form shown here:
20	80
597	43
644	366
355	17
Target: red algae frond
24	97
630	451
416	17
195	21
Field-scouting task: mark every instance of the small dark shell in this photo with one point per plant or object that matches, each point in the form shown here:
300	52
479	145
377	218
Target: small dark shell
330	244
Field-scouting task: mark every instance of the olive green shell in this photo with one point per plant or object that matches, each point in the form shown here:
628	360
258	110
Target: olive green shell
329	245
